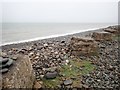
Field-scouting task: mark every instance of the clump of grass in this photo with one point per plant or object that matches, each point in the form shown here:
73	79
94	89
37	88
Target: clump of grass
71	70
88	67
51	83
116	37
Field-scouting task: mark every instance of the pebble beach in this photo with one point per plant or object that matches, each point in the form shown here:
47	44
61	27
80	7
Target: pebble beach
56	67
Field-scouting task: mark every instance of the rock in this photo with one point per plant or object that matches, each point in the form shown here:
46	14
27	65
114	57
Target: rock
37	57
19	75
4	70
41	76
68	82
8	63
31	53
45	45
37	85
37	67
4	55
83	46
102	36
52	69
84	86
3	60
113	31
67	61
51	75
62	41
14	57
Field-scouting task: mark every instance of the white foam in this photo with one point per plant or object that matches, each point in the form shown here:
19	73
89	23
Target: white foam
51	36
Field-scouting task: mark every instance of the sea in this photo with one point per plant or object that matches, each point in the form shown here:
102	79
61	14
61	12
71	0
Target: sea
12	33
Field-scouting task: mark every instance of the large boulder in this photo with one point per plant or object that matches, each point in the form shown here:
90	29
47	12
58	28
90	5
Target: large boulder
83	46
102	36
20	75
113	31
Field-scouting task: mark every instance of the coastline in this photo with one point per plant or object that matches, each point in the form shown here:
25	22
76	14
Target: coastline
65	37
54	61
54	36
58	37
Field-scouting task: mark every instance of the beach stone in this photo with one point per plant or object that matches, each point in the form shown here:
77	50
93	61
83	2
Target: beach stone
68	82
14	57
4	55
3	60
45	45
84	86
37	85
83	46
102	36
8	63
20	75
51	75
51	69
4	70
113	31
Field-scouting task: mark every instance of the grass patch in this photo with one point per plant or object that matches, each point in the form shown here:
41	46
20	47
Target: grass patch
51	83
117	37
88	67
72	70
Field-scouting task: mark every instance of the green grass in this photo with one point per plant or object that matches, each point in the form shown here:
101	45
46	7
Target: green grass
72	70
51	83
88	67
117	37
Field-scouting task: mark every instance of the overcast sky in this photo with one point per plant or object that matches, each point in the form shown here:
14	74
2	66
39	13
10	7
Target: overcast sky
82	11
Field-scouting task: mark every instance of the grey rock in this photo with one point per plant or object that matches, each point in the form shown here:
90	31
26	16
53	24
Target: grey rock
4	70
19	75
14	57
3	60
51	75
10	62
7	64
68	82
4	55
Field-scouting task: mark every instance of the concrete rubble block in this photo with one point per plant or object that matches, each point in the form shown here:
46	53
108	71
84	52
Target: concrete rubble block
20	75
114	30
83	46
102	36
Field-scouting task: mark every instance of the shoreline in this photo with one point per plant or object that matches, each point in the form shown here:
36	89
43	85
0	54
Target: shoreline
55	63
51	36
66	38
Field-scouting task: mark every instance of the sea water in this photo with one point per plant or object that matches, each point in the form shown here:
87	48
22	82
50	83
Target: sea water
23	32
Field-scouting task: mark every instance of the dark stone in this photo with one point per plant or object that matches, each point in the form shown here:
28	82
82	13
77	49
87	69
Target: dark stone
38	67
5	70
10	62
68	82
3	60
62	41
51	75
7	64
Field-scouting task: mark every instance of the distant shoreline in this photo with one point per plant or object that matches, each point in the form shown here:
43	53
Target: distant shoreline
34	36
65	37
51	39
46	37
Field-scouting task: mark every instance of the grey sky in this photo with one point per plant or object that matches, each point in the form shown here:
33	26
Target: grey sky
62	11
